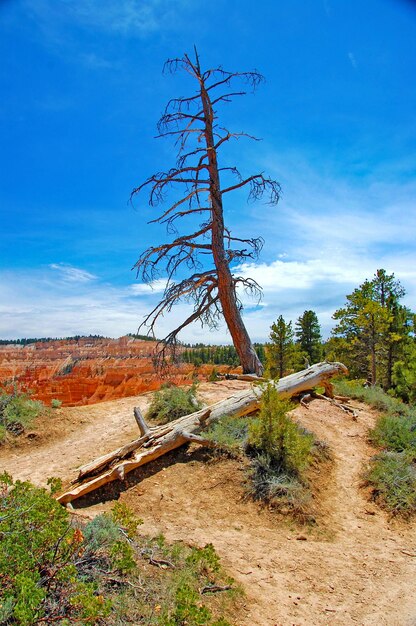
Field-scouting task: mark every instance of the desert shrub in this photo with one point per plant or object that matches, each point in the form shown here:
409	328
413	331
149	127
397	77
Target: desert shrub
177	593
392	473
205	560
396	428
229	433
188	610
56	404
279	451
101	532
123	516
172	402
196	569
393	478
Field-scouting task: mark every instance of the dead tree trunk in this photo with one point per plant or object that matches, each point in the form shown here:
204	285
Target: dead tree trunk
155	442
249	360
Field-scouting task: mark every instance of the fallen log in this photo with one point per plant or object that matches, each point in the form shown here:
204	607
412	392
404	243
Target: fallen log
155	442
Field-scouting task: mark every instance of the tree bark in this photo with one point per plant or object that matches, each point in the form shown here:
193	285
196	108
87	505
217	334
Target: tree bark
158	441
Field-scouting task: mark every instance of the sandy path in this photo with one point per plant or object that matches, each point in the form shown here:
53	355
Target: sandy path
350	569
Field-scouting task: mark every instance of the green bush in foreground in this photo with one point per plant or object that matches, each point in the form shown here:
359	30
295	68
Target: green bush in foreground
55	570
279	452
172	402
39	552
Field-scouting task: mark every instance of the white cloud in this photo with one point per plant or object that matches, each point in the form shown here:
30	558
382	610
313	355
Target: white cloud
71	274
157	286
330	214
280	276
38	303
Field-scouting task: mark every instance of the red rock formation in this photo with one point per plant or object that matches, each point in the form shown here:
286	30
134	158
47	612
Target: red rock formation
85	371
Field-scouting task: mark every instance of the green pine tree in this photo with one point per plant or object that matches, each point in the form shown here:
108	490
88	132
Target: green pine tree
308	336
282	355
373	328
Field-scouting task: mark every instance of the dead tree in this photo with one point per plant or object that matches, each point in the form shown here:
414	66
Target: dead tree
210	252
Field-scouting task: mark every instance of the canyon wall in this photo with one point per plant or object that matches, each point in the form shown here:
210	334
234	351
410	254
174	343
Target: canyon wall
87	370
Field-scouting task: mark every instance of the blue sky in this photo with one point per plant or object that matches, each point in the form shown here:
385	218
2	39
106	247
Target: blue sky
81	91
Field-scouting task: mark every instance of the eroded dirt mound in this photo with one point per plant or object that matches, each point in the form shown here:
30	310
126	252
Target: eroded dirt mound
355	566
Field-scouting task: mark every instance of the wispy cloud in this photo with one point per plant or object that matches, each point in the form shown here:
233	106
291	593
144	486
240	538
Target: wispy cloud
39	303
327	8
94	61
71	274
340	215
352	59
135	17
132	18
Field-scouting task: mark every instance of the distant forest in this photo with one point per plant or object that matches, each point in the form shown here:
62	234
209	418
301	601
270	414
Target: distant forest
199	353
27	340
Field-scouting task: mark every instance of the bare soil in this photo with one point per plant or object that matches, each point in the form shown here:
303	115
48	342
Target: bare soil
355	565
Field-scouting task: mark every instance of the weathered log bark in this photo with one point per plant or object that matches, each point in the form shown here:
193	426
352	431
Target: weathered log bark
155	442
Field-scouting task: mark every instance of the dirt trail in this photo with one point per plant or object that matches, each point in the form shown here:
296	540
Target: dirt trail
352	568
